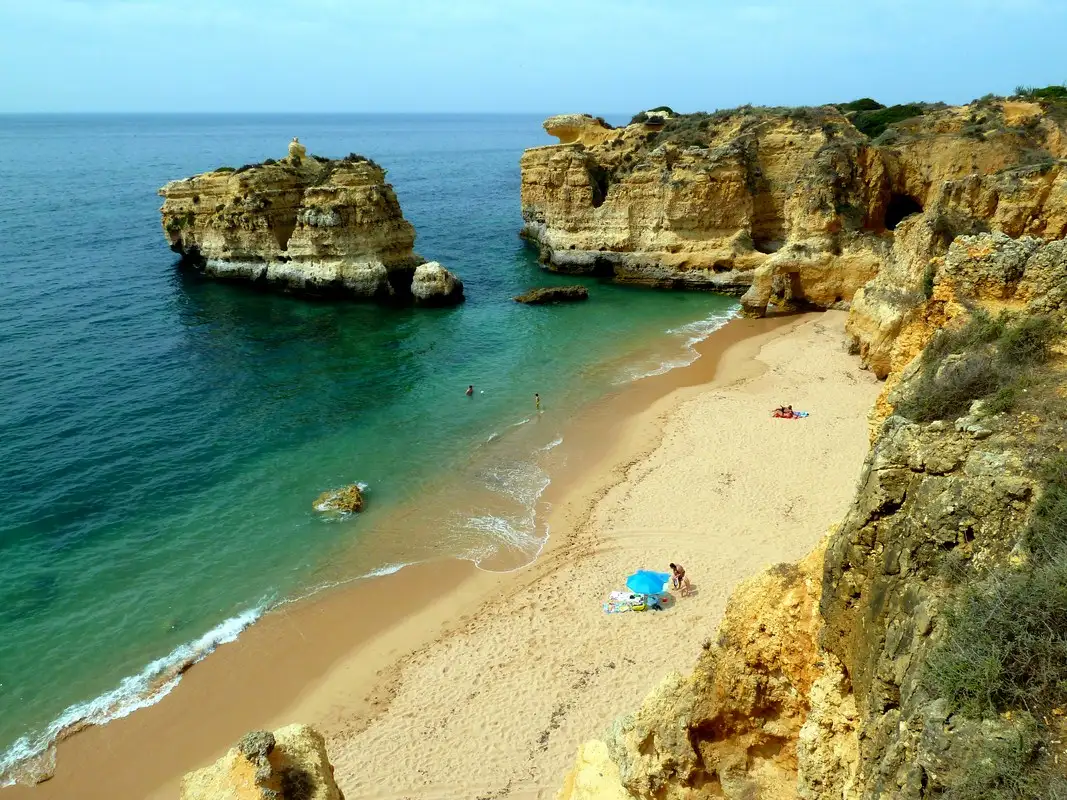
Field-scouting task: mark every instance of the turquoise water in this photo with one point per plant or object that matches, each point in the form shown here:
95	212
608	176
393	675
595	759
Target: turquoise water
162	438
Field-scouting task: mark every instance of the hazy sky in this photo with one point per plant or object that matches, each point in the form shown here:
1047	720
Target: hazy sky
596	56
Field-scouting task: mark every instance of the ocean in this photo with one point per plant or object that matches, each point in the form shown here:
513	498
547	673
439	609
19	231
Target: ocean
163	437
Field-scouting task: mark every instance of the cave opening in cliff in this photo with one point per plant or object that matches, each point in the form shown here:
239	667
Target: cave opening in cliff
599	183
603	267
900	206
282	228
766	245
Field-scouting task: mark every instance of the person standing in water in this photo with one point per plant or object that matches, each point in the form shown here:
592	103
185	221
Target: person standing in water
537	401
470	390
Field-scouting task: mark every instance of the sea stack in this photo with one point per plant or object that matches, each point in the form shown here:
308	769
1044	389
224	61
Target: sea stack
791	208
306	225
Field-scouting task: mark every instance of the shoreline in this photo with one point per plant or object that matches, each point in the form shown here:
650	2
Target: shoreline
321	661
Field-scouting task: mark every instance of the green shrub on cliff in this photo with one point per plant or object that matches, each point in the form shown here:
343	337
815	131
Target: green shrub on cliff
1046	535
874	122
863	104
356	158
1054	92
928	280
987	358
1006	644
1013	766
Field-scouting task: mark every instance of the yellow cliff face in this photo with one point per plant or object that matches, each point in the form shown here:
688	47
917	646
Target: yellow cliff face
303	224
288	764
790	207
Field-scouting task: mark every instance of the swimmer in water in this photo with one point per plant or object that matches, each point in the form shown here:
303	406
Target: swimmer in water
537	401
470	390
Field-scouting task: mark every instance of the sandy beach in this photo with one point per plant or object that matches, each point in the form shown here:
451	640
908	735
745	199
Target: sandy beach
465	683
498	707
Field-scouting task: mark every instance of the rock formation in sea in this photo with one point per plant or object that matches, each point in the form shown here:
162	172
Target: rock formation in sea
919	651
347	499
793	208
307	225
288	764
553	294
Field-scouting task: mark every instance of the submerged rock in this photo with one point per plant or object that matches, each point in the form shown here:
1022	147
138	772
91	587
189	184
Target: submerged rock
553	294
304	224
348	500
288	764
433	285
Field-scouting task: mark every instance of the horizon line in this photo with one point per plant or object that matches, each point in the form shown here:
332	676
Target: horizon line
312	113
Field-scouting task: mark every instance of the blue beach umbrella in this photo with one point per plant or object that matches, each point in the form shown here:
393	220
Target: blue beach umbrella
647	582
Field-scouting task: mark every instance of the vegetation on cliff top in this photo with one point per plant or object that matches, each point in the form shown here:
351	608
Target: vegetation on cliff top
986	359
867	115
351	158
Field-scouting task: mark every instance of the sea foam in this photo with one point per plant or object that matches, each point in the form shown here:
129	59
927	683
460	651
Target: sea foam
32	758
694	333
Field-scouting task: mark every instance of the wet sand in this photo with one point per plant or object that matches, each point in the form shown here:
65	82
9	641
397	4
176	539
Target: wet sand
447	681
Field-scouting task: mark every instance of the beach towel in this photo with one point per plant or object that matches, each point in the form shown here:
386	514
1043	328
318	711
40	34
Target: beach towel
619	602
618	607
794	415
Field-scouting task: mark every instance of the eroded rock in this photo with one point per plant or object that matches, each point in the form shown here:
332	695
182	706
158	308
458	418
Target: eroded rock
791	208
288	764
553	294
433	285
348	500
303	224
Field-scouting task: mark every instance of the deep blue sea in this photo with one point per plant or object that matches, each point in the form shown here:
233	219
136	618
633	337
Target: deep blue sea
162	437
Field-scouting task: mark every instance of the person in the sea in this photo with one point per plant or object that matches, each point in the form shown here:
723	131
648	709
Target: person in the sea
679	581
470	390
537	401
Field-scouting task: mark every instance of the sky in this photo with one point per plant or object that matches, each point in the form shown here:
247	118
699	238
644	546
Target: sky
548	56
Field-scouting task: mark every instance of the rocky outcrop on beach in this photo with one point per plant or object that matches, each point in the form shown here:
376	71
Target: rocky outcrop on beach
347	500
733	723
919	653
792	208
553	294
288	764
304	224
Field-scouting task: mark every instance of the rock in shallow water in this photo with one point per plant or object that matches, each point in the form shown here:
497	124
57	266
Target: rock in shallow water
553	294
348	499
433	285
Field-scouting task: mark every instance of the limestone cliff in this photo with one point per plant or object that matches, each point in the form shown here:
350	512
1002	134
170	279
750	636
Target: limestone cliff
926	658
304	224
790	207
288	764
